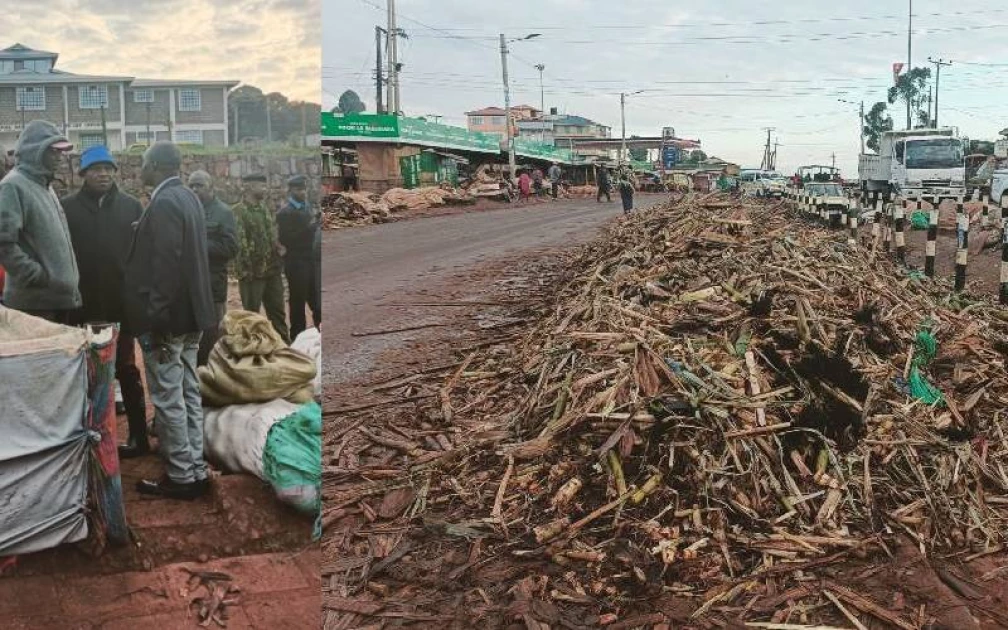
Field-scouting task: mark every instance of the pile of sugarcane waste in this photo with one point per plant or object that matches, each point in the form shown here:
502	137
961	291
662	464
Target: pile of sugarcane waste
345	209
728	393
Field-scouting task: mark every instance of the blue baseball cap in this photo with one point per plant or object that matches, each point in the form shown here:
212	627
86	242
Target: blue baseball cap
97	154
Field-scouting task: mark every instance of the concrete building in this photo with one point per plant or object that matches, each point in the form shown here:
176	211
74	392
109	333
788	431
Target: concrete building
31	88
491	119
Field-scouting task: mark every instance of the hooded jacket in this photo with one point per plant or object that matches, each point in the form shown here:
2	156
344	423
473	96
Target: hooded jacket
35	246
101	229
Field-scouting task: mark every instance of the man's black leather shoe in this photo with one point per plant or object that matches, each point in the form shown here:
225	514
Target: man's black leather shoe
169	489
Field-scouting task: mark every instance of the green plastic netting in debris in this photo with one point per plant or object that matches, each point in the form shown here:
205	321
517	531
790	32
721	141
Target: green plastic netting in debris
919	220
925	349
292	459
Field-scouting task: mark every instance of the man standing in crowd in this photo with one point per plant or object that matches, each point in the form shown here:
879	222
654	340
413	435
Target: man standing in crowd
296	227
604	185
258	263
169	303
554	177
222	246
35	248
101	218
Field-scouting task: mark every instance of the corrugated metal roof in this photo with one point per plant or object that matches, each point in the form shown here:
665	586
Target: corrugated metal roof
20	51
30	77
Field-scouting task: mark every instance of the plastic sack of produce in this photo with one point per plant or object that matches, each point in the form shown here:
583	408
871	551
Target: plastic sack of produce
309	343
58	426
234	437
292	458
251	363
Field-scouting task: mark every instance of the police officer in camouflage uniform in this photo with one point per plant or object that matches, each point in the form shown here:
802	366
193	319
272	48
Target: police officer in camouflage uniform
259	263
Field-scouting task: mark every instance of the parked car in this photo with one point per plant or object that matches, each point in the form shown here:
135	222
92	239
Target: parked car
831	195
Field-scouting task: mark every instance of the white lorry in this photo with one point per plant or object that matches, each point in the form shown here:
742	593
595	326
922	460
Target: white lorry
916	163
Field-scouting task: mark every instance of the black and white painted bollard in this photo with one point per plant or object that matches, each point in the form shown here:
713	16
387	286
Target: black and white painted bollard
985	213
962	251
876	230
887	208
853	211
931	249
1004	251
900	220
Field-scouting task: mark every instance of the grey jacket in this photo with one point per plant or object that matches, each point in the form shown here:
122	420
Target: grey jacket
35	245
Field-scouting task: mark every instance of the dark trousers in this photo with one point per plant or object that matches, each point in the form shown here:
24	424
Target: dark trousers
555	186
627	197
302	290
210	336
132	387
603	190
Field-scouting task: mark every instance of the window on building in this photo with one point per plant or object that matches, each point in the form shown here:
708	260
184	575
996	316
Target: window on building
144	137
93	96
38	65
31	99
143	96
189	101
88	140
476	120
6	66
189	136
497	120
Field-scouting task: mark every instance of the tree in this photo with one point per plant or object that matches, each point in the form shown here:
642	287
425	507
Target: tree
911	88
875	122
697	156
349	103
638	154
248	114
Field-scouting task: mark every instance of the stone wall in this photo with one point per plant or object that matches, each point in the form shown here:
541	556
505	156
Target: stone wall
227	171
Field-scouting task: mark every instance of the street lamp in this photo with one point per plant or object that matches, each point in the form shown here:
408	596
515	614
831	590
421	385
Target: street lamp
507	97
542	101
861	114
622	110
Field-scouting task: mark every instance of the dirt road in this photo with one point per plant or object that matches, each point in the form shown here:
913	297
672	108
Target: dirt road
367	271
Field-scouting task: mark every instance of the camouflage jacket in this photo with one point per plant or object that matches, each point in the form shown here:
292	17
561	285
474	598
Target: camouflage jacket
257	241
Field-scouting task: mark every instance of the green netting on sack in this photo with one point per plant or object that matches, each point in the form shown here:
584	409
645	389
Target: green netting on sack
919	220
925	349
292	459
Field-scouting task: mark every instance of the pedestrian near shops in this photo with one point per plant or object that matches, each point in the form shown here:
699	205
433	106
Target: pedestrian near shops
35	247
604	186
626	191
100	217
222	247
554	177
525	186
297	225
170	304
258	263
537	183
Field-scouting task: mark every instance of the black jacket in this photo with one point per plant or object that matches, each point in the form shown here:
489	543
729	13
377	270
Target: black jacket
101	230
296	231
222	245
167	274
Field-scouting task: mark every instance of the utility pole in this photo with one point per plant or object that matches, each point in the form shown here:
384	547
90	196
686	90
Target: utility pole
765	164
148	124
379	107
909	41
833	155
395	56
773	160
622	115
507	108
542	102
938	66
390	36
861	111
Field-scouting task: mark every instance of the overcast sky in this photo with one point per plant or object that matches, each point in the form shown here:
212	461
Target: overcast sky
272	44
718	70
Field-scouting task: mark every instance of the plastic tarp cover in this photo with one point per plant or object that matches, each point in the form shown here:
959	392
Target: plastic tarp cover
292	458
309	343
44	453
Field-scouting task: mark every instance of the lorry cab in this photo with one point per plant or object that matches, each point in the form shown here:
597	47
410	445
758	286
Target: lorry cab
916	163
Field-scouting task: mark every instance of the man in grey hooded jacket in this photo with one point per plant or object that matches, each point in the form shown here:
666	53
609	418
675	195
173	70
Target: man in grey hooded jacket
35	247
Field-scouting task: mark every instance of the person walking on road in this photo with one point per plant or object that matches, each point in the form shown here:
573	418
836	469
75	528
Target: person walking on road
297	224
525	186
35	248
258	263
604	186
170	304
222	247
626	190
100	217
554	177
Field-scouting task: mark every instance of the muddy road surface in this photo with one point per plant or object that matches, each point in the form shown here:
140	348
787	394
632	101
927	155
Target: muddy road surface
370	273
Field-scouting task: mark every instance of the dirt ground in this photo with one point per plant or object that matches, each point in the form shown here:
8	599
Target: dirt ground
240	529
438	573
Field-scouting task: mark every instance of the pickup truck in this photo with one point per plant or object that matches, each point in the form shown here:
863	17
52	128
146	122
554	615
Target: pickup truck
830	195
999	186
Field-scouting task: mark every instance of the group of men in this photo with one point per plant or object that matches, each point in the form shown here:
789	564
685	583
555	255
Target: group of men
160	272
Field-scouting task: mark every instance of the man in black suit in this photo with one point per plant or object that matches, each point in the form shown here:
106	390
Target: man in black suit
297	224
169	304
